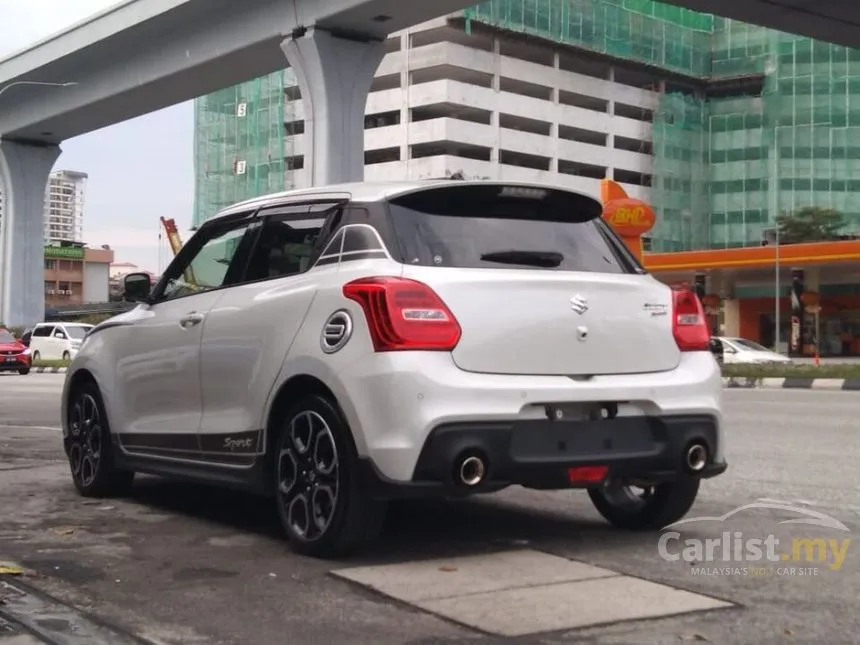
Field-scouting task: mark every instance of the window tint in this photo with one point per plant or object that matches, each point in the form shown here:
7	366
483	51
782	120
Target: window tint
43	331
482	227
209	267
286	246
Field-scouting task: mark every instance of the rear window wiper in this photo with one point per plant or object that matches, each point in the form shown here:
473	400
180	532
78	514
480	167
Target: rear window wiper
531	258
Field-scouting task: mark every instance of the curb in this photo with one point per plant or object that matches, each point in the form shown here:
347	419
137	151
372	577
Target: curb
48	370
794	383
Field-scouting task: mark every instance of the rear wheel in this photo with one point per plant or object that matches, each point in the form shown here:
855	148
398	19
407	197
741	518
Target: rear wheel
36	357
24	371
88	446
67	356
322	506
644	509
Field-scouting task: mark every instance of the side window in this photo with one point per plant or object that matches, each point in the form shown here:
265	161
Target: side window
210	261
289	240
43	331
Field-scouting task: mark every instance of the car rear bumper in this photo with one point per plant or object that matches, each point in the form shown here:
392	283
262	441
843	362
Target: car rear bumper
540	453
406	408
20	362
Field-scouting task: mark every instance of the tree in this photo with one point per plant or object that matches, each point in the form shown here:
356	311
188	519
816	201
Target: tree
810	224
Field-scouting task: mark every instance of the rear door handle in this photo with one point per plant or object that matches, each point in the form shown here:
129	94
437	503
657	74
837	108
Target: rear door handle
190	319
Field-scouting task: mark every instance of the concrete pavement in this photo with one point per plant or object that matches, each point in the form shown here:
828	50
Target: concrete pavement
179	563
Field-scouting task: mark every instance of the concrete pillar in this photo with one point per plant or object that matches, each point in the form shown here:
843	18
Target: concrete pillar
24	171
334	76
731	318
812	279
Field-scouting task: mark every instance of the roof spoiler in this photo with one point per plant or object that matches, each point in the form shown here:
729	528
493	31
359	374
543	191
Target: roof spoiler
457	176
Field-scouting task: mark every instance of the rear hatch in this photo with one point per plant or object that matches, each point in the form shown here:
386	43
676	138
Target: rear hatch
536	280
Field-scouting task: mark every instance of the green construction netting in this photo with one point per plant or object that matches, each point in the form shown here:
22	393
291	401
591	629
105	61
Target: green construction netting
239	144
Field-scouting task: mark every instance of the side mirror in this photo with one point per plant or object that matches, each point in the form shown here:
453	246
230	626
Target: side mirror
136	287
59	334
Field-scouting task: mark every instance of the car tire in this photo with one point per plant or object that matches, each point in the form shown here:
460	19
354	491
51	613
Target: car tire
657	507
36	357
67	356
24	371
321	504
88	447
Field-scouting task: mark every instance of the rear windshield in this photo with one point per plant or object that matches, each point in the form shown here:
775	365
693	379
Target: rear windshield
6	337
498	227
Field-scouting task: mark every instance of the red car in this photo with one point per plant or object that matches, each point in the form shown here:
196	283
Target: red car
14	355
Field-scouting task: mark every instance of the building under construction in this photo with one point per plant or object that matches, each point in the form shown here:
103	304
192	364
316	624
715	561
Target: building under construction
722	125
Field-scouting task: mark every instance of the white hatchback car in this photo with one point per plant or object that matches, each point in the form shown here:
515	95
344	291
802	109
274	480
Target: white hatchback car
338	347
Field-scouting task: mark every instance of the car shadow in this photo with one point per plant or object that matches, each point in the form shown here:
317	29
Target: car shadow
414	529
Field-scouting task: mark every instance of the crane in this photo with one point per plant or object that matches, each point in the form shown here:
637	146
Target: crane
176	244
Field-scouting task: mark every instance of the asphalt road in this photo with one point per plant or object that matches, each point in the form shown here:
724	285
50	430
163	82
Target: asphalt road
187	564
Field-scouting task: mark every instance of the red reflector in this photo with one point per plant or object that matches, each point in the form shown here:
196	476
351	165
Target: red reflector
689	325
587	474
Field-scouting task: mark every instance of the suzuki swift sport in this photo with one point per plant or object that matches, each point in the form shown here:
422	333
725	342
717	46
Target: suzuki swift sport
339	347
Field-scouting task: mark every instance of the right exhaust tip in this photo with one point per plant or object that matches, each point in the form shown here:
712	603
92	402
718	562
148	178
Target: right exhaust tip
696	458
471	471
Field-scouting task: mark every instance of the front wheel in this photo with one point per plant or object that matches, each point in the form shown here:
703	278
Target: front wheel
88	446
322	507
644	509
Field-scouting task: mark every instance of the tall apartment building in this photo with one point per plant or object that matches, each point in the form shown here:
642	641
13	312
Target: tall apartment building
64	206
722	125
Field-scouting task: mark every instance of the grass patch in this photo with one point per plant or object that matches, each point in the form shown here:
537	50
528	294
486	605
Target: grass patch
51	364
842	370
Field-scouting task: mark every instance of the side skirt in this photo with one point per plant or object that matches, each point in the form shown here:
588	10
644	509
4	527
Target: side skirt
232	460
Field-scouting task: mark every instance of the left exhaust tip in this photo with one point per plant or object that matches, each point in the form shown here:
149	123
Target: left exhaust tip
696	458
471	471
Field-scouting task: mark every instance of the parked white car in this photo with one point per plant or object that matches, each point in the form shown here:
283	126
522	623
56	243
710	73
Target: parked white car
57	340
338	347
741	350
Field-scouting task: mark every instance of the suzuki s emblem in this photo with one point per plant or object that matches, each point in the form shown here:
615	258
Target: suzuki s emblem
578	304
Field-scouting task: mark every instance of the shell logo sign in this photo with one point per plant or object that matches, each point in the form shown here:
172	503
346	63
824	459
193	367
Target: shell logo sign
630	218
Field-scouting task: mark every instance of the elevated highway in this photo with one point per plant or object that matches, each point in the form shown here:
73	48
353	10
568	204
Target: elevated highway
143	55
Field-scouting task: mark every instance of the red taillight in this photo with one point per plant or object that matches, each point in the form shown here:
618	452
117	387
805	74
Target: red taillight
688	322
404	314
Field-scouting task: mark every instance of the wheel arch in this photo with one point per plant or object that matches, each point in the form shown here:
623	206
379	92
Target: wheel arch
292	390
74	381
81	376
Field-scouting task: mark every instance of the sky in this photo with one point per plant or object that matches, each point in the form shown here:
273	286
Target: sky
138	170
